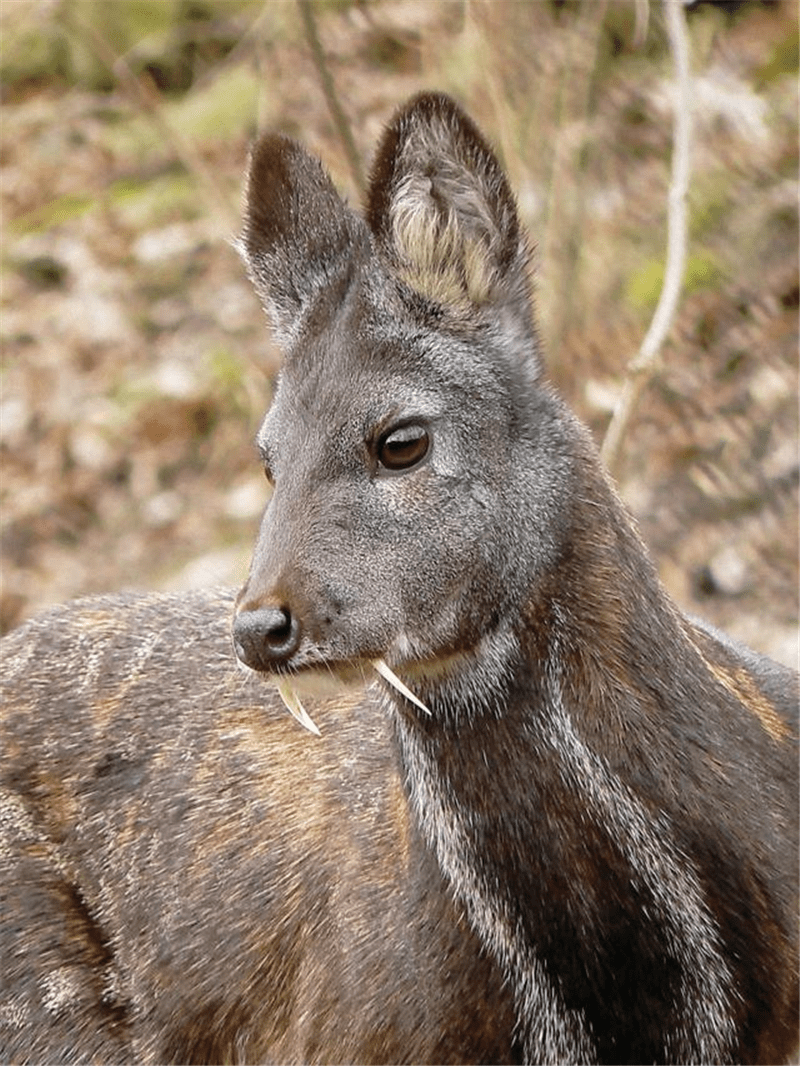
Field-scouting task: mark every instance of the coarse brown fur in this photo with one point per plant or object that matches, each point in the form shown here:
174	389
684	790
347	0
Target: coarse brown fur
581	845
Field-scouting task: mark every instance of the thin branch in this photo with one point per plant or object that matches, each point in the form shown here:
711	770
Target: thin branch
640	25
329	91
645	364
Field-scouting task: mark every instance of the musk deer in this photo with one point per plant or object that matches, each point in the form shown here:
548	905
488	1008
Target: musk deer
548	817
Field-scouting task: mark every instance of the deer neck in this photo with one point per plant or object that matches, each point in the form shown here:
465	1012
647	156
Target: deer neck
521	785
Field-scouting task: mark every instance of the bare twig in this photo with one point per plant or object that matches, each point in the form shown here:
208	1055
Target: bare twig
640	25
329	91
645	364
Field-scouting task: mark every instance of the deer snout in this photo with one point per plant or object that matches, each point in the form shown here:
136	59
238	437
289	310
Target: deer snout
265	637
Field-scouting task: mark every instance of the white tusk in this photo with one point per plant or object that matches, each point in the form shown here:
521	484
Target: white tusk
387	672
295	707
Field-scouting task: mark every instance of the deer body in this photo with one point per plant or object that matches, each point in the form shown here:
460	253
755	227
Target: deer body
580	847
165	818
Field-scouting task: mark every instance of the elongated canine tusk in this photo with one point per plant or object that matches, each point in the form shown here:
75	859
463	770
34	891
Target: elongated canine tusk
297	710
389	674
295	707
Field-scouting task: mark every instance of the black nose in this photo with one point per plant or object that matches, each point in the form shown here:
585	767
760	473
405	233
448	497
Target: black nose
266	637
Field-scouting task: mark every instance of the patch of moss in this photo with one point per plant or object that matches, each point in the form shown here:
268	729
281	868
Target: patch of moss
217	112
643	287
141	201
710	204
221	109
155	201
62	209
120	26
703	271
74	43
784	59
227	369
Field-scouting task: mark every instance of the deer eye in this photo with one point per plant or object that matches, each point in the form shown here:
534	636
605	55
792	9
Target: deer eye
403	447
265	462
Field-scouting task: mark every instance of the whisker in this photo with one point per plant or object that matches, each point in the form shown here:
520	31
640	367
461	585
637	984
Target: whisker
294	706
386	672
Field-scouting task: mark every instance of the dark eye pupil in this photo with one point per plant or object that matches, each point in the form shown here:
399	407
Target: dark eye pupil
403	448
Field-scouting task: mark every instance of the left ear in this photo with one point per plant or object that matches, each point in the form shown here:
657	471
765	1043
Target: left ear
299	238
442	212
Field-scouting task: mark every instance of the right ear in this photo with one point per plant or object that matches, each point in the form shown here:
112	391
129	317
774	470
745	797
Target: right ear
441	210
299	236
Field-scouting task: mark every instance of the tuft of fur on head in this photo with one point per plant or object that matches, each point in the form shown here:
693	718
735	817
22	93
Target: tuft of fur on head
447	245
443	213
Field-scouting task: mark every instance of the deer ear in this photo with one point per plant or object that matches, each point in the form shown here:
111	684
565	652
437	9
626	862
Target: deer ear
441	209
299	236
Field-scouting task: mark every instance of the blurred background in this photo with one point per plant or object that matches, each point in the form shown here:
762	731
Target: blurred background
137	363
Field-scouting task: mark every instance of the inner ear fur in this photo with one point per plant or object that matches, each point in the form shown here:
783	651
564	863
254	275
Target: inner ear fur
441	209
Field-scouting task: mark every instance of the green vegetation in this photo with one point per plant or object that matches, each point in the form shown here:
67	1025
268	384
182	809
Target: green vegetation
643	287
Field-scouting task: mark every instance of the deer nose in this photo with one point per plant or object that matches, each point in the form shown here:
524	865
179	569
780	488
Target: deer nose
265	637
